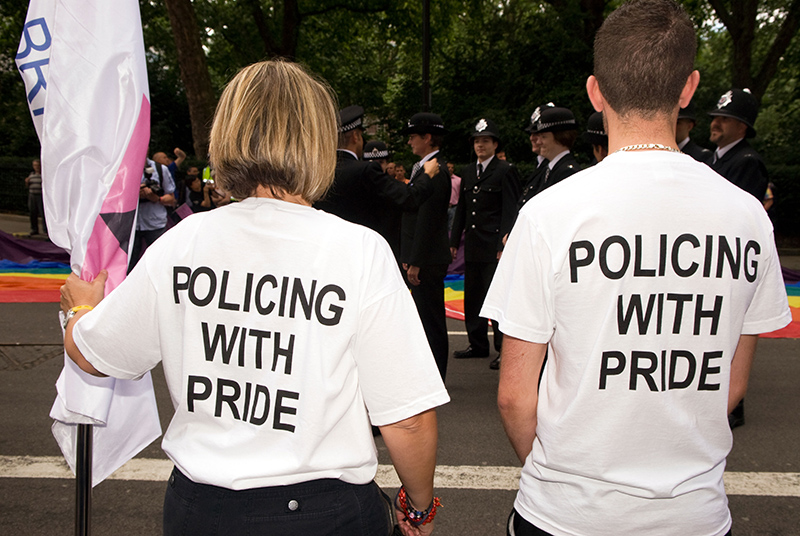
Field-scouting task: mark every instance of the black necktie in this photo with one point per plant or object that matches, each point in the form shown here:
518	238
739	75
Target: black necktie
480	169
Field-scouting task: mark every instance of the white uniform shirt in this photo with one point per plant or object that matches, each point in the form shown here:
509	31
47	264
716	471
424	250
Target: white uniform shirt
283	332
641	272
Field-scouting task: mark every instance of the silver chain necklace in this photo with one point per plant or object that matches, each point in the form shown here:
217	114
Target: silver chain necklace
648	147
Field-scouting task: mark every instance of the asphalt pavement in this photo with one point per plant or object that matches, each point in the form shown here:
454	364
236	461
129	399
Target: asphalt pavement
765	460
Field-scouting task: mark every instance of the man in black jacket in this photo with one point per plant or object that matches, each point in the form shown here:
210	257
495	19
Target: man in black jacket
424	243
685	124
487	208
734	159
361	192
532	181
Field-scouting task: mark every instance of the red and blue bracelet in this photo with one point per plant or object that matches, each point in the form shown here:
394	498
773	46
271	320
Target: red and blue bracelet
416	517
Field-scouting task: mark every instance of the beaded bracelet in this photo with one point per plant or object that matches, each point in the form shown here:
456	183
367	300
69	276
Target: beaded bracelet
415	517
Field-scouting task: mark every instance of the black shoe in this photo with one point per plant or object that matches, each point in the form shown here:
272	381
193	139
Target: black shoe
469	352
495	364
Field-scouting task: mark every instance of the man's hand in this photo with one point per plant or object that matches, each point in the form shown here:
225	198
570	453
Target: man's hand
410	530
413	275
431	167
453	252
76	291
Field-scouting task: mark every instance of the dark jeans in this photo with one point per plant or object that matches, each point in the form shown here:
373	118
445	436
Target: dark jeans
519	526
326	507
36	207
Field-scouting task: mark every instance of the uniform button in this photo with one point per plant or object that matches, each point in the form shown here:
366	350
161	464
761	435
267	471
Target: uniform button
293	505
474	200
473	226
473	213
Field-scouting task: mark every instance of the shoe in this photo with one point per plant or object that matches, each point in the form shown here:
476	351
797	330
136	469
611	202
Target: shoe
469	352
495	364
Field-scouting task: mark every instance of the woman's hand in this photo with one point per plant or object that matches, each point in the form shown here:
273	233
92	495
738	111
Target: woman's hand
76	291
410	530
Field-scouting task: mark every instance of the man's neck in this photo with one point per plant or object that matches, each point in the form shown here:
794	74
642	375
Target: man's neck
430	151
639	131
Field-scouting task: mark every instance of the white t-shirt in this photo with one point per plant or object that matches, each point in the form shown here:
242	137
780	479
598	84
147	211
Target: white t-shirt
283	332
641	272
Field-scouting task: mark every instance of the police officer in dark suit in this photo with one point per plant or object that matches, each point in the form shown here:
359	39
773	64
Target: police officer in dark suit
487	208
686	122
557	131
424	243
361	192
597	137
734	159
532	181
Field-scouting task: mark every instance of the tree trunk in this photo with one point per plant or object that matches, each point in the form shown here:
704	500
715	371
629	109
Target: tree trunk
194	71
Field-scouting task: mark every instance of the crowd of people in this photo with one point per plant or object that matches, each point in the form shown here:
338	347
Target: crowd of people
626	301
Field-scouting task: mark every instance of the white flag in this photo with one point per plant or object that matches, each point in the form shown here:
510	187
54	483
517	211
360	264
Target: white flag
85	75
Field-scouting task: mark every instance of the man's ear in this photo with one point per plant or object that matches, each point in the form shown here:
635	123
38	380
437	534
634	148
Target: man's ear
595	96
689	88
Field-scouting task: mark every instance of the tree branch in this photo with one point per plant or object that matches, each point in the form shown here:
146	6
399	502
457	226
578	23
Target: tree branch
785	35
725	17
348	7
261	24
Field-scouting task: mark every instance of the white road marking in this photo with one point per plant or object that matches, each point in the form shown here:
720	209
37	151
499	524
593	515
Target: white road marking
447	476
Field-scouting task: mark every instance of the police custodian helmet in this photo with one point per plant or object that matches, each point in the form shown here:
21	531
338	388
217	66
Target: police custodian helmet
741	105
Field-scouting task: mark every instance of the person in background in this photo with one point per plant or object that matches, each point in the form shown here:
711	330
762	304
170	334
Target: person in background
686	122
455	190
596	136
36	198
172	165
400	173
275	440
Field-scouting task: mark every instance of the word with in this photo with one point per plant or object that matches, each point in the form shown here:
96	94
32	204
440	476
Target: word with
657	302
681	254
646	365
202	286
254	405
226	345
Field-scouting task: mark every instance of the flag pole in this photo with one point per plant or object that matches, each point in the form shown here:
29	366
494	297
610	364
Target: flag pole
83	481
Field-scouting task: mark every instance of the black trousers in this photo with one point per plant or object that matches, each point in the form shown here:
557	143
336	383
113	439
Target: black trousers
429	299
141	241
477	278
36	207
320	507
519	526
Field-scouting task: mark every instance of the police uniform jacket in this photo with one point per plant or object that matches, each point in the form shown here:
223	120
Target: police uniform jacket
743	166
362	193
531	184
699	153
487	208
423	231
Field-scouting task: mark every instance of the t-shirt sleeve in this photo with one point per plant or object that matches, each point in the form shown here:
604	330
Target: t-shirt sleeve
520	297
769	309
397	374
120	337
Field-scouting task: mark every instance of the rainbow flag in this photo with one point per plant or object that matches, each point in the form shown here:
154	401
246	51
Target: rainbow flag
35	281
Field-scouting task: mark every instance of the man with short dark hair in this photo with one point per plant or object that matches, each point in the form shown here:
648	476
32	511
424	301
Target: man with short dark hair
649	292
424	244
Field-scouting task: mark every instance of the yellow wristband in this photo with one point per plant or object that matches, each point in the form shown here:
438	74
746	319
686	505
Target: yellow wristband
71	313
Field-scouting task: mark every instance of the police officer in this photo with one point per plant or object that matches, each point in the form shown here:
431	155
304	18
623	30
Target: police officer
557	131
686	122
596	136
734	158
376	151
487	208
424	246
532	181
361	192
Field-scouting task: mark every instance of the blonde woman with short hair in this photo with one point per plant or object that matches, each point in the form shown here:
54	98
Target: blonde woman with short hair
276	325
